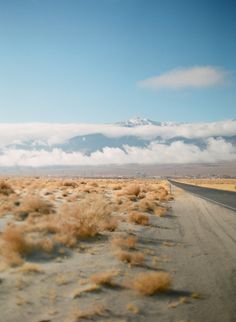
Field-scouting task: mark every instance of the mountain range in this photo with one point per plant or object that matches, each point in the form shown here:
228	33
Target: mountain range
135	141
89	143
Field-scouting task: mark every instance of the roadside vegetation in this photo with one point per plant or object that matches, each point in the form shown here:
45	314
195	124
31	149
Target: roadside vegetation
50	227
219	183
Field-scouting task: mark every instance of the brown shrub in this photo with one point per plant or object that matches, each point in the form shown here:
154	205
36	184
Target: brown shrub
152	195
116	187
65	239
151	283
133	258
93	184
163	193
160	211
133	189
129	242
14	245
36	204
5	188
70	183
104	278
110	224
139	219
85	289
146	205
132	308
31	268
85	219
87	314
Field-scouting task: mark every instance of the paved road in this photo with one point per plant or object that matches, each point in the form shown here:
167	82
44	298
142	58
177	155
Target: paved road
205	258
225	198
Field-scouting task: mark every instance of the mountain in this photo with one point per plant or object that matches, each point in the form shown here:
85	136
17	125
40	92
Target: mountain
134	141
93	142
137	121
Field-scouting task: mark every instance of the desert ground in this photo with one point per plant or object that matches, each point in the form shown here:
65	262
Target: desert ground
222	169
222	184
113	250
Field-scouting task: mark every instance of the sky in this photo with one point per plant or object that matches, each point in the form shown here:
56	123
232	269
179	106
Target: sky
102	61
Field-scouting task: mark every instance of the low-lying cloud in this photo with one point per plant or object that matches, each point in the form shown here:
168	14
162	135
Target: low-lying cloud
194	77
53	133
178	152
38	145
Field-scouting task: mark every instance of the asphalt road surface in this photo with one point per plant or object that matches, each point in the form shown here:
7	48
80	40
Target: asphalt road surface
224	198
205	260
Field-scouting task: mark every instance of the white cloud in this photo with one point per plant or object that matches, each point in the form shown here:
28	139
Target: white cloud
178	152
49	134
195	77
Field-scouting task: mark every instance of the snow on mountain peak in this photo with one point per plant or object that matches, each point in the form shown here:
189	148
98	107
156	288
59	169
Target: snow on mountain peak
137	121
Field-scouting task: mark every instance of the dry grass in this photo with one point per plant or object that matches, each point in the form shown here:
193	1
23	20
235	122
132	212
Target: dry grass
138	218
133	258
129	242
133	189
160	211
87	314
219	183
151	283
78	220
132	308
35	204
30	268
146	205
14	245
85	219
47	226
104	278
5	188
85	289
110	224
70	183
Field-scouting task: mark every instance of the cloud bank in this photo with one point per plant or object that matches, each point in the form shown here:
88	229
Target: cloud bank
156	153
194	77
214	135
50	133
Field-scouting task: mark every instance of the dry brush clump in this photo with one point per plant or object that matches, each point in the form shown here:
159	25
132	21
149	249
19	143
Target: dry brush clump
74	221
149	206
151	283
89	314
31	268
104	278
133	258
138	218
5	188
70	183
126	243
160	211
14	245
85	219
82	215
17	243
33	204
130	190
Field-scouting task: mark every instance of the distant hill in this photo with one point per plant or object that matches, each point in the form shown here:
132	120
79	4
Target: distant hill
137	140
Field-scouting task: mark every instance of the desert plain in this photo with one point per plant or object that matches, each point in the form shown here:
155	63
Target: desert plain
111	250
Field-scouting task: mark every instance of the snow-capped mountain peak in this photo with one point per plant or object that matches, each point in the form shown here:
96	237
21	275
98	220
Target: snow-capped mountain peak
137	121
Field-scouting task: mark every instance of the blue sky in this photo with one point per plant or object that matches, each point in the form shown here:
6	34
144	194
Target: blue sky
83	60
